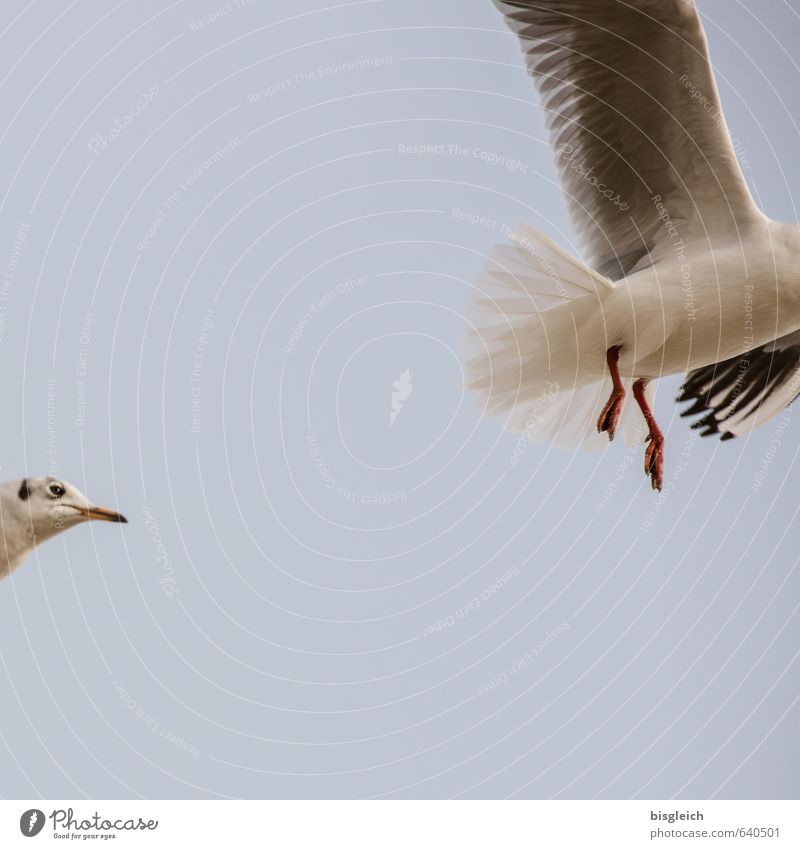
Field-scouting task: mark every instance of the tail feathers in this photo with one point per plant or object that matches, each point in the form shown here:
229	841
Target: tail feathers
523	350
528	276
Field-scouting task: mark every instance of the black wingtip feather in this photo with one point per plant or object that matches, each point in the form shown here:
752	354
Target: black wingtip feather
698	407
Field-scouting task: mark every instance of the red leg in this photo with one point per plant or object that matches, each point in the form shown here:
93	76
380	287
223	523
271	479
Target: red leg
609	418
654	454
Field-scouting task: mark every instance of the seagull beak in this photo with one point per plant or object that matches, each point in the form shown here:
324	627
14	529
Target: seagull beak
104	514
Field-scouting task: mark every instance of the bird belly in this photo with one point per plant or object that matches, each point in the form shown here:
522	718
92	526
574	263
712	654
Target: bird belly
723	310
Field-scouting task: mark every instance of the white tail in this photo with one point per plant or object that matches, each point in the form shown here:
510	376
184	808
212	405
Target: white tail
523	353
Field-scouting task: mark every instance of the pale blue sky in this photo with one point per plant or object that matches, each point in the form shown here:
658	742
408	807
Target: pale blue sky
266	625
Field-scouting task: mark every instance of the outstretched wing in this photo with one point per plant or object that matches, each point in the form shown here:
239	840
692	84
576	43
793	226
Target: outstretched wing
636	123
738	395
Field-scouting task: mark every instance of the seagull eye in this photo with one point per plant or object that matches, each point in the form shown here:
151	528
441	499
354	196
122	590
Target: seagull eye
56	490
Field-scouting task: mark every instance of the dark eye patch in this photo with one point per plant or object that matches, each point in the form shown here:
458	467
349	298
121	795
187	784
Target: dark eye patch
24	492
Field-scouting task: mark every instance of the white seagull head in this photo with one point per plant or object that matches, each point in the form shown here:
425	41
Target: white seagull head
33	510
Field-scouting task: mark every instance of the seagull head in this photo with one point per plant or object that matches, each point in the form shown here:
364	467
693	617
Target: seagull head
33	510
52	505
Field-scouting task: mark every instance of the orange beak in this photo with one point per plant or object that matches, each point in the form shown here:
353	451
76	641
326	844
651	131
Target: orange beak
104	514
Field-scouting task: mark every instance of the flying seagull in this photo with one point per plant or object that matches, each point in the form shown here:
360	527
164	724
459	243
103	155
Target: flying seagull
34	509
682	273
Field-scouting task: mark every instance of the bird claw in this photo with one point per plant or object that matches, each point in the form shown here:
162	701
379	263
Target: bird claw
609	417
654	461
